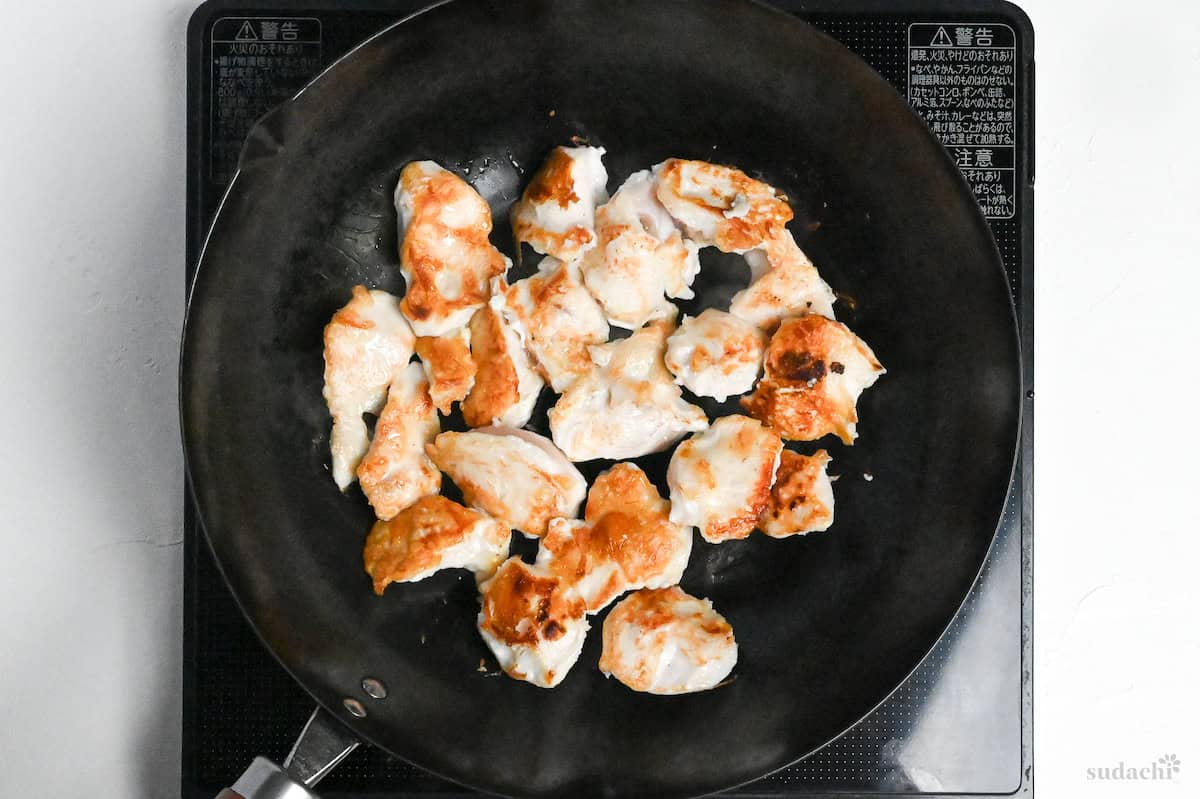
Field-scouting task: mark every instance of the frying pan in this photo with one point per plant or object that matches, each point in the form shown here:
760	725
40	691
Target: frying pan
827	624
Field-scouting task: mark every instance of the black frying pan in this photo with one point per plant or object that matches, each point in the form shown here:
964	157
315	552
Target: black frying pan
827	624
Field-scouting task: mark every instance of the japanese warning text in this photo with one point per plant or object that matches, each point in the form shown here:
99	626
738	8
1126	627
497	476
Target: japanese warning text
962	78
257	63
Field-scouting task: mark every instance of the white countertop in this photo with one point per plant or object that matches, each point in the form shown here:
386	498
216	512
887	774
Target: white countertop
92	248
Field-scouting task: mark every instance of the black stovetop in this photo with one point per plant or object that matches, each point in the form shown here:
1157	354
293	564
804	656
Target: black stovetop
961	723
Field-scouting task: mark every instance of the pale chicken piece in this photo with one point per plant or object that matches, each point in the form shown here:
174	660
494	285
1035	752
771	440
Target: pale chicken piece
516	476
628	405
534	622
721	479
434	533
720	206
367	344
783	283
556	213
802	497
641	256
449	367
813	373
666	641
558	319
506	384
626	540
396	472
445	255
715	354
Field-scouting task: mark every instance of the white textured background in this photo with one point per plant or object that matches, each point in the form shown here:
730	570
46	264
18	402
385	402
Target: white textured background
91	248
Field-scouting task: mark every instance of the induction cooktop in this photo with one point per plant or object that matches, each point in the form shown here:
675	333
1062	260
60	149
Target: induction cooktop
960	725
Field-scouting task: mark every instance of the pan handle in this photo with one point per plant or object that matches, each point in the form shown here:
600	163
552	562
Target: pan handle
322	744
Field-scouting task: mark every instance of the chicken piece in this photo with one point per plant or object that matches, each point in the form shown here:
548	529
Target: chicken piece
813	373
448	366
506	385
534	622
367	344
783	282
628	405
556	214
641	256
715	354
720	206
802	497
721	479
515	475
396	472
445	256
434	533
667	642
626	540
557	319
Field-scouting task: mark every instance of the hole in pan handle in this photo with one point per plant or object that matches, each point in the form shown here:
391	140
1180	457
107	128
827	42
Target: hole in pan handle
322	744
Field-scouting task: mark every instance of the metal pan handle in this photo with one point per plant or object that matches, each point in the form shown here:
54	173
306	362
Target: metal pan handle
322	744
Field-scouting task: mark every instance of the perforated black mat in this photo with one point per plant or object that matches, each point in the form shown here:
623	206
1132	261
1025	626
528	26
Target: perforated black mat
961	723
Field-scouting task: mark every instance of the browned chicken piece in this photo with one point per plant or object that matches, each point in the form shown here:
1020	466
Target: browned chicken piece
628	405
515	475
783	283
721	479
445	255
396	472
640	257
556	213
626	540
367	344
802	497
534	622
557	319
431	534
449	366
667	642
721	206
715	354
506	384
813	373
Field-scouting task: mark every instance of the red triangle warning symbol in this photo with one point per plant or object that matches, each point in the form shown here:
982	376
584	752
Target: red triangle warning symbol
940	39
246	33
